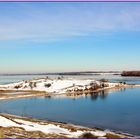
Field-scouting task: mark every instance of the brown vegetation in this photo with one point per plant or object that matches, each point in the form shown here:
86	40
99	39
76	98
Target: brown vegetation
47	85
88	136
17	132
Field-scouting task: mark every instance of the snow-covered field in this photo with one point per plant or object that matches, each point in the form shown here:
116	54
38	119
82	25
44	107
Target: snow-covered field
58	86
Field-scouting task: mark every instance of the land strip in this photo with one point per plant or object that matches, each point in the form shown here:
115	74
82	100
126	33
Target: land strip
12	126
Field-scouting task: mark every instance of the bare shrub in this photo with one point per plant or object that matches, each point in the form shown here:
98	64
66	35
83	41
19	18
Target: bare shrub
88	136
47	85
17	86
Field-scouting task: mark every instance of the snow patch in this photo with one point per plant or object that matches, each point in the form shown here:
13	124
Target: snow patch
47	129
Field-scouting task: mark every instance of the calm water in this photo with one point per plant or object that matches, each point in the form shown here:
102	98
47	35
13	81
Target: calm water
117	110
112	78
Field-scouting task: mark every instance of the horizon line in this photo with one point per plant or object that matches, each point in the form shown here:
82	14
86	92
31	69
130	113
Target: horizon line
70	72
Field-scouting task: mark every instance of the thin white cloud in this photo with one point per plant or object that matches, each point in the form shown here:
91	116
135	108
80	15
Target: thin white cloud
58	22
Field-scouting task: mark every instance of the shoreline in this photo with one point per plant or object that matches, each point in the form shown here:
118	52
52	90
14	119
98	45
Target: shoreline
23	95
29	126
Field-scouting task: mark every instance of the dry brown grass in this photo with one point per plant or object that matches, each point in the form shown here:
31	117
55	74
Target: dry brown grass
113	136
17	132
1	133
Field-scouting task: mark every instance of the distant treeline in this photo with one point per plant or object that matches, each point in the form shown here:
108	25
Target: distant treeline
68	73
130	73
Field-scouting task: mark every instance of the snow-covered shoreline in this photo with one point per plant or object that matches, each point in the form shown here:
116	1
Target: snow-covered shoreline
54	128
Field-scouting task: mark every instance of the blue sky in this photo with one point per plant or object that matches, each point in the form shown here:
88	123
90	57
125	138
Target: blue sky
55	37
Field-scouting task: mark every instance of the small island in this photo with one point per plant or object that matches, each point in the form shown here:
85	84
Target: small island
59	86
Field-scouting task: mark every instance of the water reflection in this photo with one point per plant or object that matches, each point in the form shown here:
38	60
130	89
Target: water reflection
102	95
93	95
